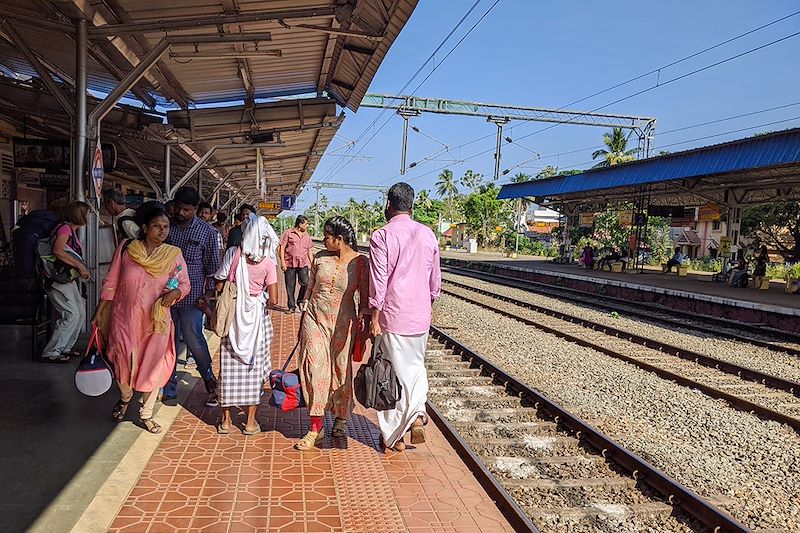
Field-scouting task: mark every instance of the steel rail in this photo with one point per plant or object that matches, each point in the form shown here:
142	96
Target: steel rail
670	315
735	401
743	372
505	503
674	493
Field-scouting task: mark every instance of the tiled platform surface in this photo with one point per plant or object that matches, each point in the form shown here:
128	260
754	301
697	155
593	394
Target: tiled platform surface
200	481
693	285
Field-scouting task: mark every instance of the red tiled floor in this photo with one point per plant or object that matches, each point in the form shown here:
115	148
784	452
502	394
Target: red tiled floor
200	481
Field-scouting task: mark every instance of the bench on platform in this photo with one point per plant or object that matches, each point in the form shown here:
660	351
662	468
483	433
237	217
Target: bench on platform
23	302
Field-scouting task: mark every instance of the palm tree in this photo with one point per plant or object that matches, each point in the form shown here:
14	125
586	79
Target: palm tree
446	188
617	143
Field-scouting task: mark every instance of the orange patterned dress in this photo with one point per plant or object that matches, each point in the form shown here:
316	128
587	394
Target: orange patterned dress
328	331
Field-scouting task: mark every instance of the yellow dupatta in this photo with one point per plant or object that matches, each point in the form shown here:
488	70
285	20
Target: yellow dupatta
159	263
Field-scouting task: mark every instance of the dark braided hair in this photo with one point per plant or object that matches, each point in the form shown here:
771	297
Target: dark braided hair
340	227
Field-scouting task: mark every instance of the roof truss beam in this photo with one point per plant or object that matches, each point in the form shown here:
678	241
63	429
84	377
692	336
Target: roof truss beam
207	22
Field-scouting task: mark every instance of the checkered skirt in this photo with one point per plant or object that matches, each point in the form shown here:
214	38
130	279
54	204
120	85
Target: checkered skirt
241	384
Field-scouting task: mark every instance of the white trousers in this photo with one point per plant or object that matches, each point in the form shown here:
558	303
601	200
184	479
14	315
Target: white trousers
407	355
71	307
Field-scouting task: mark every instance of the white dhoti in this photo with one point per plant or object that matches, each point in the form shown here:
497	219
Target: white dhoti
407	355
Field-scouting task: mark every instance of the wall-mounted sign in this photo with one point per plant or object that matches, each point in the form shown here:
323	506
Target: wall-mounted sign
268	205
51	180
586	220
626	217
709	212
54	154
725	246
97	171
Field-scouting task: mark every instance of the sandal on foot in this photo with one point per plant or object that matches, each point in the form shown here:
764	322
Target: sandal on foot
417	432
151	425
256	431
118	414
309	441
339	428
222	430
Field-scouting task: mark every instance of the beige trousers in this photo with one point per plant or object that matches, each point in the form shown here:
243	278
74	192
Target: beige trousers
148	400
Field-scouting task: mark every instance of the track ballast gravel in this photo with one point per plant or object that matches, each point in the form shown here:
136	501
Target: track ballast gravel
765	360
745	465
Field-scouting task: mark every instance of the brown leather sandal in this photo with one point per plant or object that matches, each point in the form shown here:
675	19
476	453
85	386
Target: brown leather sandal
417	432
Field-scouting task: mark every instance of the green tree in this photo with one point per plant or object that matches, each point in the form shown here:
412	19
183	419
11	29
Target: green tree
427	210
617	152
447	189
547	172
483	211
472	181
776	225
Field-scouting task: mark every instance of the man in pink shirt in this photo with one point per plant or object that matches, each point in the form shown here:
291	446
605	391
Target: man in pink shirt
404	281
294	256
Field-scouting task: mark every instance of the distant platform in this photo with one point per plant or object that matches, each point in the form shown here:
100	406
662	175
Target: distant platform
696	291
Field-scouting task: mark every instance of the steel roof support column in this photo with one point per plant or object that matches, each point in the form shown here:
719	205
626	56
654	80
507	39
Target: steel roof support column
167	171
37	65
233	197
221	184
79	140
142	169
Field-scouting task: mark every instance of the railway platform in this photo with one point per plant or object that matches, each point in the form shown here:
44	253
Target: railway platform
122	479
695	293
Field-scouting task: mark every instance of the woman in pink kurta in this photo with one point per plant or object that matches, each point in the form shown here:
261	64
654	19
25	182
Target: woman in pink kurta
146	277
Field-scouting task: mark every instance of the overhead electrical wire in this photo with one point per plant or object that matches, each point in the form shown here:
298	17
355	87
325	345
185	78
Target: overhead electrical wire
654	71
411	79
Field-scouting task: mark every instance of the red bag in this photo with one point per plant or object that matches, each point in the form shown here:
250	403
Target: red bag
286	392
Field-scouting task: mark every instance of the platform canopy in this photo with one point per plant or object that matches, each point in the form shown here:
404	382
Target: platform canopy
751	171
241	58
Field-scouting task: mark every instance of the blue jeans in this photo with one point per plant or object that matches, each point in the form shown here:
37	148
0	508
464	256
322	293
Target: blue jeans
189	327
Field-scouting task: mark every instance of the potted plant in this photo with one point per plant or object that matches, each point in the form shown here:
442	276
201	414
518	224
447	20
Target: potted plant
683	268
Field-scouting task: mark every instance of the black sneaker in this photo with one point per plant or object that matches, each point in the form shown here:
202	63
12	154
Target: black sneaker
213	400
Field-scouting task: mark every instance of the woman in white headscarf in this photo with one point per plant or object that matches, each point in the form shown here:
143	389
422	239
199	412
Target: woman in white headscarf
244	352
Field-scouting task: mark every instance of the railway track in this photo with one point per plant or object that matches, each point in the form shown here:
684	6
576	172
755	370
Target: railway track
748	390
717	326
562	472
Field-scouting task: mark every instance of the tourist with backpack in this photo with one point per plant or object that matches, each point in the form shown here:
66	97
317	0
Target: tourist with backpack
64	292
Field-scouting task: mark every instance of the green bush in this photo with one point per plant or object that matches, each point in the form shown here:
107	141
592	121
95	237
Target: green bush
528	246
705	264
778	271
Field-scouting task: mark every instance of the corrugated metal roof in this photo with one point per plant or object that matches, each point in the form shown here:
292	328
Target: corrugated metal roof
741	156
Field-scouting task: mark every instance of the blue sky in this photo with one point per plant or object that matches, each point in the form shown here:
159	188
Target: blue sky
548	54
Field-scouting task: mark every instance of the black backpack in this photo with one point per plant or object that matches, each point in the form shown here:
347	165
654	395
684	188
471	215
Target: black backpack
33	227
376	385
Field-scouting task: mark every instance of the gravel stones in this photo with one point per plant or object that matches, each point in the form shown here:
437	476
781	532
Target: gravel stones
748	466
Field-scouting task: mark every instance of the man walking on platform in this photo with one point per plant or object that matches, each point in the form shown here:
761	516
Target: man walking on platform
295	256
199	243
122	219
404	281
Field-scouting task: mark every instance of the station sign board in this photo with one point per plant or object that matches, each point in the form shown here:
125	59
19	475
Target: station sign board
586	220
269	205
725	246
626	217
709	212
98	171
288	201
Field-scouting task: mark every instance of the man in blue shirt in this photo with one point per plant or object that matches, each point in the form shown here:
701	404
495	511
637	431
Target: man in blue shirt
676	260
199	242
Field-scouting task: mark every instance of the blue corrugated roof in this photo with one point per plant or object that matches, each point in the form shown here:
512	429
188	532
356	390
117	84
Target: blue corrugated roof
742	155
